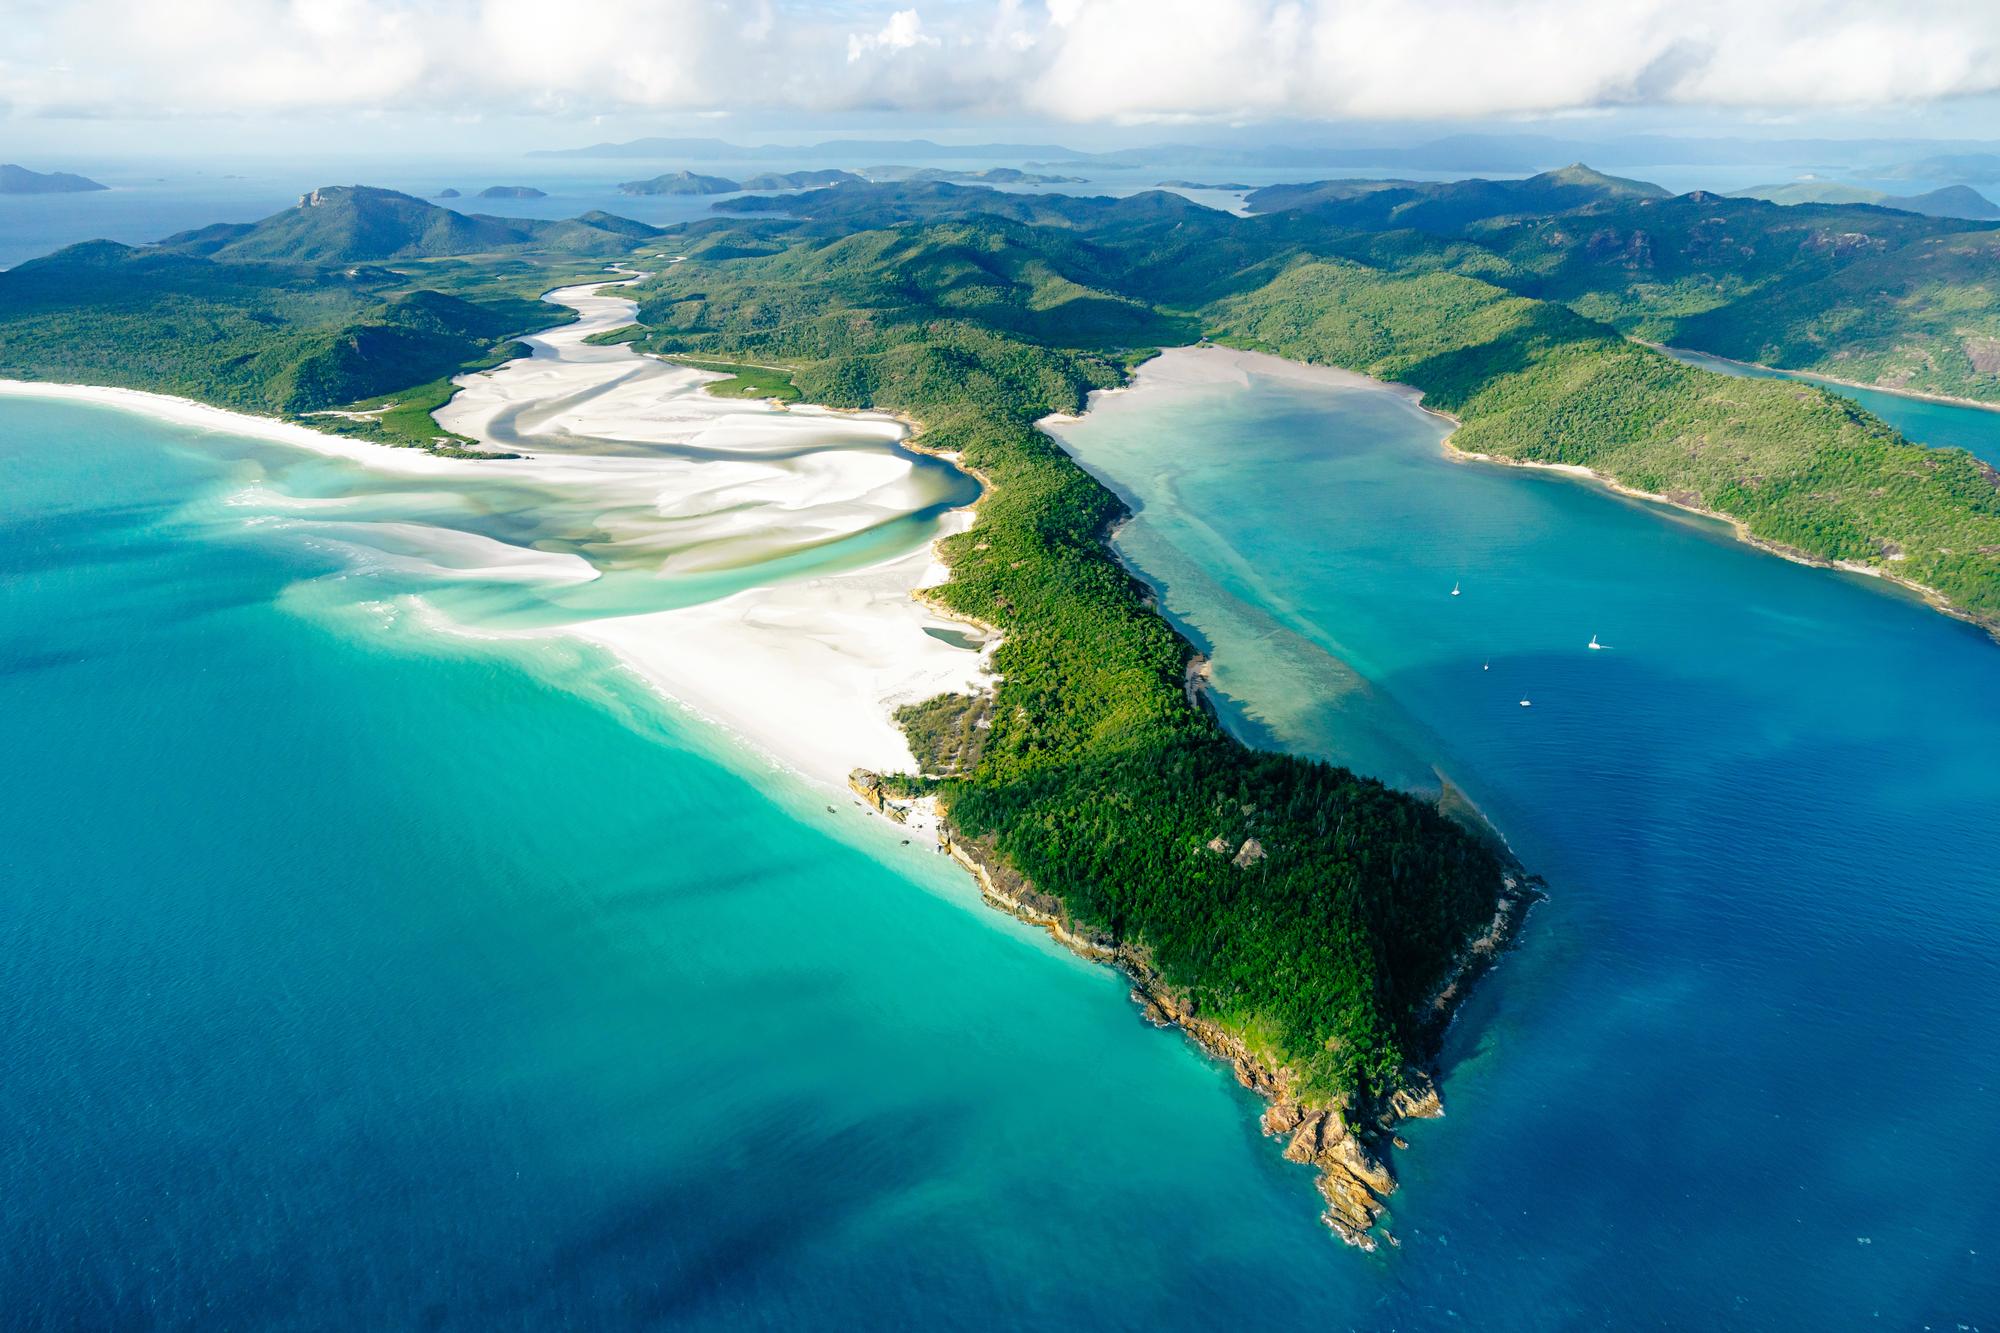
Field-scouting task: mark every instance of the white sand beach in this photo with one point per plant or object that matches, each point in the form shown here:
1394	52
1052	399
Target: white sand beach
628	466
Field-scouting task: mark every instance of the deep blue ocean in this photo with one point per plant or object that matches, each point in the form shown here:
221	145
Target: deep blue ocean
358	977
1742	1072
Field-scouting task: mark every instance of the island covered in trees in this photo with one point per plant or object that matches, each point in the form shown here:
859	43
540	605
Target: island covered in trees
1307	923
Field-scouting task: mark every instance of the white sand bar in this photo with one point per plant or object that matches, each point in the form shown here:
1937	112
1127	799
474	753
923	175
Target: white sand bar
634	470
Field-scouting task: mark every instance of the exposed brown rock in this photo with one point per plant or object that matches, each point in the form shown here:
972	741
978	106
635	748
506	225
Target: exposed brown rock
1354	1180
1984	353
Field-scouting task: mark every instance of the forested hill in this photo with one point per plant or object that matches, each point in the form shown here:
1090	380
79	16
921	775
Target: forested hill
1533	379
1321	947
978	312
355	295
1857	291
344	224
1307	913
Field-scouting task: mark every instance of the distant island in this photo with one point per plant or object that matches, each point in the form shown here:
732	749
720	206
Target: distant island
1504	154
797	180
512	192
1963	168
1952	201
20	180
1197	185
985	176
831	150
446	193
689	182
680	182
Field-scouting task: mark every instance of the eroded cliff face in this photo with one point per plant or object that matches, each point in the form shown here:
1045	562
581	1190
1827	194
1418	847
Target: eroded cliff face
1345	1142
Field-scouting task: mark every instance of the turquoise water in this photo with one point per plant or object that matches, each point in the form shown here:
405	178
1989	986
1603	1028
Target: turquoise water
1940	425
1742	1072
358	978
355	976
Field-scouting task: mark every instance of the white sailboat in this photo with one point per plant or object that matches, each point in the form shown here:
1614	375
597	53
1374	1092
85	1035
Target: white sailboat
1454	588
1595	646
1526	703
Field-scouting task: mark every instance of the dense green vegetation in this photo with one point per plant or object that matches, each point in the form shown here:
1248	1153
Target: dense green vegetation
1797	466
746	381
1089	771
345	224
948	734
302	313
1953	201
1451	312
1873	294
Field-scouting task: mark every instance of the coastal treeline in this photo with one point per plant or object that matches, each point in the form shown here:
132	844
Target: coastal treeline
1428	285
1308	911
1799	467
365	299
1094	776
1866	293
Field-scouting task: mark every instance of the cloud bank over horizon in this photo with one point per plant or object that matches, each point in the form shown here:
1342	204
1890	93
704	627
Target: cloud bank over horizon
1078	61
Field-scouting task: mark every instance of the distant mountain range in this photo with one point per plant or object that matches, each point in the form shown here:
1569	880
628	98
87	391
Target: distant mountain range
1953	201
1514	154
20	180
1432	205
833	150
689	182
1965	168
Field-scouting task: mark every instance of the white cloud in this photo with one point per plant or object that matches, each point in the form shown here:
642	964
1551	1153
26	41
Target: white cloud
904	30
1440	59
1082	60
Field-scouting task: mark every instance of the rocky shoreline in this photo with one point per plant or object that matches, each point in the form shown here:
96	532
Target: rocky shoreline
1346	1141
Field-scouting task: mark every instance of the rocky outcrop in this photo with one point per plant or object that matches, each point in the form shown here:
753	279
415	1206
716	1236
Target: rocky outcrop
1195	682
867	786
1249	854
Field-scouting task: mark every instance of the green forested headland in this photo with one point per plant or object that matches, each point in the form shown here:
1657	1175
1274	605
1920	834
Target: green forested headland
1407	296
1096	778
357	298
977	313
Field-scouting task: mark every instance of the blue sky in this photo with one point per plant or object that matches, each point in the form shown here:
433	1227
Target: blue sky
465	73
